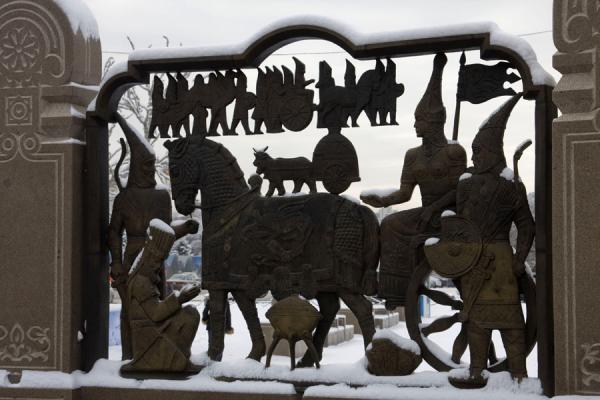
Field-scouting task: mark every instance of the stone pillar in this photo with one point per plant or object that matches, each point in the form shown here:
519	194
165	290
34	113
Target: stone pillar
50	64
576	198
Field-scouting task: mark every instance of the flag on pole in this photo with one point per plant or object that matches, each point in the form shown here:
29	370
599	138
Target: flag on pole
478	83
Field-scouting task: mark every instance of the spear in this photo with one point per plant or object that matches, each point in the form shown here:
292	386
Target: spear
463	60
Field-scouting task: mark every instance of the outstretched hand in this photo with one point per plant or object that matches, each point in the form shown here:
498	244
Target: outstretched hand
373	200
188	293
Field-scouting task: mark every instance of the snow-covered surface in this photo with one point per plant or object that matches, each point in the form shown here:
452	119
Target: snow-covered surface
403	343
116	69
439	352
351	198
508	174
343	364
432	241
497	37
448	213
64	141
465	175
161	226
500	387
80	17
525	143
378	192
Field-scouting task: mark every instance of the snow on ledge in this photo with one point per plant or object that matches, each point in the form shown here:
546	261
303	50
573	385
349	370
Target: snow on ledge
497	38
422	385
81	18
116	69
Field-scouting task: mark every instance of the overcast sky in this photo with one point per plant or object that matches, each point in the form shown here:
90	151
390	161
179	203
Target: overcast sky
380	149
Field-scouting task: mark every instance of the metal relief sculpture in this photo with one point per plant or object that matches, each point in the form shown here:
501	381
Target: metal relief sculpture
318	245
325	247
375	93
162	328
435	167
475	250
277	170
134	207
293	319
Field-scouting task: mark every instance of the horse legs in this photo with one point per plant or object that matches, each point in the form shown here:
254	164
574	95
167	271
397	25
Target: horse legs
363	309
216	333
329	305
248	308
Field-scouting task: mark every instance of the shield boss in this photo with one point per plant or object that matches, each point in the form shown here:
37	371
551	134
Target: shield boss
458	250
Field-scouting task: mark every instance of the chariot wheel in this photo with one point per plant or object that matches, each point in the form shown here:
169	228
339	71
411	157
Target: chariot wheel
296	113
335	179
434	354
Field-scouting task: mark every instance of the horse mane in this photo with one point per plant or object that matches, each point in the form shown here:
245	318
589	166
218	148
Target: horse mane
222	178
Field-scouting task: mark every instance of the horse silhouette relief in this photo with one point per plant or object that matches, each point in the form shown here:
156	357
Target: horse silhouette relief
318	245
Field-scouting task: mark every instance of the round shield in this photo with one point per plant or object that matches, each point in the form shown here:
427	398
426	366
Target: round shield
458	250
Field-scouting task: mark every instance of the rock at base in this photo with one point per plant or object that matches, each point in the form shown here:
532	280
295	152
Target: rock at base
387	359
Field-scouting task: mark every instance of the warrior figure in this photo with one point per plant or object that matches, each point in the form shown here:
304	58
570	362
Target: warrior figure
492	199
244	102
435	166
162	329
134	207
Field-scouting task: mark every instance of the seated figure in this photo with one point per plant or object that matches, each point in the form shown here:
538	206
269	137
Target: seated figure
435	167
162	329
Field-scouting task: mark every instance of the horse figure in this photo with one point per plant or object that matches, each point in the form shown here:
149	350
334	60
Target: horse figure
319	245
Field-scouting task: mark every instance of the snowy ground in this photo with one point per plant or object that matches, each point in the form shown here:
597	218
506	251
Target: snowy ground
237	345
343	367
343	373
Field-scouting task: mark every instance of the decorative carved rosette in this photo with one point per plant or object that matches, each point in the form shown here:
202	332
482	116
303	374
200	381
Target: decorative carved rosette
32	45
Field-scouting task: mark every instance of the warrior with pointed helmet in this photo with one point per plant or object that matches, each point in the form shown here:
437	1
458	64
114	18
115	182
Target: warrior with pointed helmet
137	203
490	198
435	167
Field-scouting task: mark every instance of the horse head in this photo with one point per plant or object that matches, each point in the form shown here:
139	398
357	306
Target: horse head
184	172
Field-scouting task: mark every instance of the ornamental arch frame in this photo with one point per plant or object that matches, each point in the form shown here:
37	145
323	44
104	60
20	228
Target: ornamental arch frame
139	69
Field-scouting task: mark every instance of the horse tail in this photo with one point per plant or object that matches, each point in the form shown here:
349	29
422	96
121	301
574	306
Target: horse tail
371	251
118	166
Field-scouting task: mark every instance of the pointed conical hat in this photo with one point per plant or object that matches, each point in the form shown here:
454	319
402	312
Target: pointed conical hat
431	107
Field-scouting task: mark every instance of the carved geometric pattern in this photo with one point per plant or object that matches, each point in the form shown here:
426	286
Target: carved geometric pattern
578	27
18	345
19	110
590	363
12	143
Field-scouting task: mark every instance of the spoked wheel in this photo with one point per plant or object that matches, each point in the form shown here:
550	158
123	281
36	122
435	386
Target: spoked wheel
435	355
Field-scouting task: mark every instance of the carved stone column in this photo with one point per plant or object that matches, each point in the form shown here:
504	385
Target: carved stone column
50	64
576	197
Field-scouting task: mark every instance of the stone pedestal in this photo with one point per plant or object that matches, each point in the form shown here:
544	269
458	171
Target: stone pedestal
576	211
50	64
